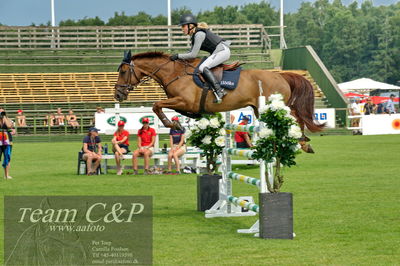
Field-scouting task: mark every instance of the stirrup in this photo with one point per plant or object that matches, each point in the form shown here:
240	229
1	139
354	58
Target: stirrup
217	99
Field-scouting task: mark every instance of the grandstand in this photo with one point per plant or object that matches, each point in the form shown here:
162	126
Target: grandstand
75	67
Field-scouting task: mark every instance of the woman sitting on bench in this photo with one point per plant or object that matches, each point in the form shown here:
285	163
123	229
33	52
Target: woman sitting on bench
92	150
178	147
146	138
120	144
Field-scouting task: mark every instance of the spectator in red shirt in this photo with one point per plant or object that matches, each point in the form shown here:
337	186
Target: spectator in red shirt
242	139
146	139
120	144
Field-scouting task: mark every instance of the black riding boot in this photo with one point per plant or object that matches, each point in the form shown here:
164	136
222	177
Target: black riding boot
216	87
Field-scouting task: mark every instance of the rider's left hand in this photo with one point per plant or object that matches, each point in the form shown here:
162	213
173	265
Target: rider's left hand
174	57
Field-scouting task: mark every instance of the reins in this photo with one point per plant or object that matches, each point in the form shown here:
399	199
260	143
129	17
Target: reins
152	75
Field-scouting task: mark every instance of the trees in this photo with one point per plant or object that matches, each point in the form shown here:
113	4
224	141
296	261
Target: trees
353	41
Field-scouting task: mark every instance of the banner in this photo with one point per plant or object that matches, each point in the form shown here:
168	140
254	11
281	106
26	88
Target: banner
380	124
326	115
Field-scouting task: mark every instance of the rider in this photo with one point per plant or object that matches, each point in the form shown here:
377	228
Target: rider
203	39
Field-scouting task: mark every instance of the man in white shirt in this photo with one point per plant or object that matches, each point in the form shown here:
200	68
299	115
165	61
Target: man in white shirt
390	105
355	110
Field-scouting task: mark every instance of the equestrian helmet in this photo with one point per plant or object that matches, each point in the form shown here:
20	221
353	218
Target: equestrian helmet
187	19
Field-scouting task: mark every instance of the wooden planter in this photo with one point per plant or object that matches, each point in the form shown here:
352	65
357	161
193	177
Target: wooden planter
276	215
207	191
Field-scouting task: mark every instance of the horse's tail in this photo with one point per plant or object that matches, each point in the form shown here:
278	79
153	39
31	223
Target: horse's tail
302	100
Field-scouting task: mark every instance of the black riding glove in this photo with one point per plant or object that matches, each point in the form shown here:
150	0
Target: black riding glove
174	57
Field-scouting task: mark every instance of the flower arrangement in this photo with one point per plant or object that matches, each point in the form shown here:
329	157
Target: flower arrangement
208	134
278	141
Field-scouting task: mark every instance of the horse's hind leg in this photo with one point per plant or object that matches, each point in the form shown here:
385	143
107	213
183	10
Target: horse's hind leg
303	139
176	103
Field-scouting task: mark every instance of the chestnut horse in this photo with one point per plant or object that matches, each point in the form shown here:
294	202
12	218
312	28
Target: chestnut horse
184	96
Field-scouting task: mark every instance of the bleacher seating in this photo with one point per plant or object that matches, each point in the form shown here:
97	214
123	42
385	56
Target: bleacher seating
70	87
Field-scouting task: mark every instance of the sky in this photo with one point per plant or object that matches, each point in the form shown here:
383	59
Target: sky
26	12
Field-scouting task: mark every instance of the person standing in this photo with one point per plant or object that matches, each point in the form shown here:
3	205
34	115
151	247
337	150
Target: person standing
92	150
369	107
355	111
146	139
242	139
120	144
178	147
5	142
390	105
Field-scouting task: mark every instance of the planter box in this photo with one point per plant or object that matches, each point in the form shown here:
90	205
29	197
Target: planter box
276	215
207	191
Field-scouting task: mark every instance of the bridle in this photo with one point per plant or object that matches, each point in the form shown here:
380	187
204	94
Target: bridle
148	75
132	72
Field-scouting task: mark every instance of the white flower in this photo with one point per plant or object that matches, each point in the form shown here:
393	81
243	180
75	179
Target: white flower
287	109
276	105
264	109
206	140
288	115
203	123
214	122
188	134
296	147
295	132
220	141
194	128
265	132
277	97
222	132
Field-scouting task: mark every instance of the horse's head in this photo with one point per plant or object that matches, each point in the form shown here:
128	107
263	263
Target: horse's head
128	77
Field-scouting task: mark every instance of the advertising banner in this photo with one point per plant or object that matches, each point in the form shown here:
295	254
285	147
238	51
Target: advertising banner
326	115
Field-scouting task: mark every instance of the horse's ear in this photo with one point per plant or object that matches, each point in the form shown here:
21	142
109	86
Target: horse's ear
127	56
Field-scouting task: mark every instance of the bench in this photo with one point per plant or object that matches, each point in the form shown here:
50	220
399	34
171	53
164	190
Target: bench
191	158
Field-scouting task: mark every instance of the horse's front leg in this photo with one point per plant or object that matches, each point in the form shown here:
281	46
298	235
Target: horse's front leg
176	103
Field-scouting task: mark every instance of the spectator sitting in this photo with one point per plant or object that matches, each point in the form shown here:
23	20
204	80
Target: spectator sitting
99	110
92	150
369	107
390	105
50	119
178	147
242	139
59	117
72	119
21	119
146	139
120	144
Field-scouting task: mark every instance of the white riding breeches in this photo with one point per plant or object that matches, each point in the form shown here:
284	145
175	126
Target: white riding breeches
221	54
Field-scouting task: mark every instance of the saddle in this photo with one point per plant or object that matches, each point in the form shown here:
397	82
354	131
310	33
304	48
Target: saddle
219	70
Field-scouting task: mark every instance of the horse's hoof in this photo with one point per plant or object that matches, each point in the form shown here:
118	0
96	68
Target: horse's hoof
310	149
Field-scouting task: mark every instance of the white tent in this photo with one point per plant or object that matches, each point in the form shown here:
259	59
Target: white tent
365	85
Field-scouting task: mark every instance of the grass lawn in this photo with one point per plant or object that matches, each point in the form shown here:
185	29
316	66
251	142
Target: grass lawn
346	204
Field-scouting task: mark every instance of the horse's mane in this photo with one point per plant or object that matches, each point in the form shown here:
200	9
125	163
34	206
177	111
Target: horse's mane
155	54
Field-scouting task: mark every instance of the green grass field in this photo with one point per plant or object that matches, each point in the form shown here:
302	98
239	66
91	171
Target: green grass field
346	204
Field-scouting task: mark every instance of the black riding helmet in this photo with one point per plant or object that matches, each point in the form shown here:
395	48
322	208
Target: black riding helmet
187	19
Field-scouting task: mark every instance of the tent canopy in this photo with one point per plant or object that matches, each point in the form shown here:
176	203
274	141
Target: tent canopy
365	84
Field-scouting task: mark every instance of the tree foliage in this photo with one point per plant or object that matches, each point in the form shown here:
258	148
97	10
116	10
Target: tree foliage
353	41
